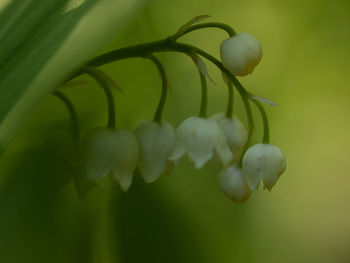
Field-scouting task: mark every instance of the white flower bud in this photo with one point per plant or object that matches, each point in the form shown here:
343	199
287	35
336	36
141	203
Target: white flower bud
113	151
235	132
264	162
241	53
200	137
156	141
232	183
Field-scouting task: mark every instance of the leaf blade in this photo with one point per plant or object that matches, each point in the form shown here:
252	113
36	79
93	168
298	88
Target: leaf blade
41	57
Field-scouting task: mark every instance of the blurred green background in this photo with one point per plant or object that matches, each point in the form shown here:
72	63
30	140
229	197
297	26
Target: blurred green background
183	217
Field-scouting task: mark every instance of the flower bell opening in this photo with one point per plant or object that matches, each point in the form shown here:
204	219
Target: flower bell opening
111	150
156	142
263	162
200	137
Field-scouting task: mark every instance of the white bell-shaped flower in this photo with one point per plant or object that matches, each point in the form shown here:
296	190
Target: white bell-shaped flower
156	141
241	53
264	162
235	132
111	150
199	137
232	183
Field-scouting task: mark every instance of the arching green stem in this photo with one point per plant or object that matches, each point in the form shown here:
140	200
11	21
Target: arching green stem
229	110
204	99
162	100
230	31
98	75
72	112
266	137
245	98
168	45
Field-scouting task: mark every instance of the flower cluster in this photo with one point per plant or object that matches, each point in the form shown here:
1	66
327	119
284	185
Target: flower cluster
154	146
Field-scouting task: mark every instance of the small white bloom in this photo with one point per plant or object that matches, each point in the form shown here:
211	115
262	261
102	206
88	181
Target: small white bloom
235	132
112	150
199	137
233	184
156	141
264	162
241	53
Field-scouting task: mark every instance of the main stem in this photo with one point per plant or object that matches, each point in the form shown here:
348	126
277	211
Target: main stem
168	45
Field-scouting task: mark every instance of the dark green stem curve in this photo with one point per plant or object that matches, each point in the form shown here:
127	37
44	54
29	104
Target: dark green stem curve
72	112
266	137
229	110
98	75
230	31
162	100
204	99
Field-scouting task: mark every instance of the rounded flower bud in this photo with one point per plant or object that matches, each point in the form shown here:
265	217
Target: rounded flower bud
156	141
235	132
241	53
111	150
264	162
232	183
199	137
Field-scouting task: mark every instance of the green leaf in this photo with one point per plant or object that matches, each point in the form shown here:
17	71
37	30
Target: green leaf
184	27
263	100
200	64
42	42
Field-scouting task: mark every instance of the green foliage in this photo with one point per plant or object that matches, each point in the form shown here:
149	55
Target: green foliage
42	42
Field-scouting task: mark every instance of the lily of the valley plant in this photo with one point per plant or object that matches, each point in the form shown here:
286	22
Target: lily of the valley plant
155	146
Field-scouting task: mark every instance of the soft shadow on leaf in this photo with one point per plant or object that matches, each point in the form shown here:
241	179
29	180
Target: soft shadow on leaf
30	201
150	229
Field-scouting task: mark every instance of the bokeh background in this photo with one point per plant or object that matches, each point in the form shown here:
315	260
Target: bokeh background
184	217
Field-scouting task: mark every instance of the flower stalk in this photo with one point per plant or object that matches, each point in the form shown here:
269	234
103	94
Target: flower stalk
266	137
230	31
162	100
72	112
204	98
229	110
100	78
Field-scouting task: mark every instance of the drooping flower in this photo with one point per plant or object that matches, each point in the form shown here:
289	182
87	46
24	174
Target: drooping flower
232	183
199	137
111	150
263	162
235	132
156	141
241	53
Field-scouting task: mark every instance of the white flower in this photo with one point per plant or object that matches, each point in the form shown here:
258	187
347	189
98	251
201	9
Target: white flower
233	184
235	132
241	53
200	137
111	150
264	162
156	141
